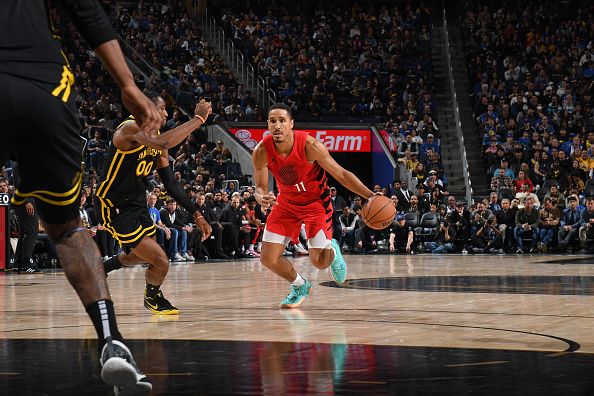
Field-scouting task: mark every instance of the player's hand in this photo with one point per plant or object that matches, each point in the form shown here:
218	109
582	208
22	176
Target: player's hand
391	248
203	109
30	208
204	226
143	109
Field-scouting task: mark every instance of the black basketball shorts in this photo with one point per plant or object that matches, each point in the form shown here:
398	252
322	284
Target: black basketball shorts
42	131
129	224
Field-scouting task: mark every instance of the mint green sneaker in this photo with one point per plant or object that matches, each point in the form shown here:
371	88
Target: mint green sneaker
338	268
296	296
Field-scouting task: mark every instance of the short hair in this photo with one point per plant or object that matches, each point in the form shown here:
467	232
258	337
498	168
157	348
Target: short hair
589	198
155	99
170	200
571	198
281	106
356	207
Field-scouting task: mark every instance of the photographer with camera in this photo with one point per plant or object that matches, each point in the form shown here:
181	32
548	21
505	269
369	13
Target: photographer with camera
488	238
444	239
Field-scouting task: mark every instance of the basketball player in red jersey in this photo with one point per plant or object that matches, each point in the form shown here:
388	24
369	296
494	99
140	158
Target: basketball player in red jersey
299	164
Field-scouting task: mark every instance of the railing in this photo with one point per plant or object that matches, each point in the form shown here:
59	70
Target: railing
237	61
465	173
141	63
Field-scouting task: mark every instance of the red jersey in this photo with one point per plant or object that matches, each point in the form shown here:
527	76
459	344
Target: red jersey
299	182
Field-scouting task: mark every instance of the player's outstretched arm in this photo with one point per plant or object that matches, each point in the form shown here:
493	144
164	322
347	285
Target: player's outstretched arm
131	135
316	151
260	162
177	192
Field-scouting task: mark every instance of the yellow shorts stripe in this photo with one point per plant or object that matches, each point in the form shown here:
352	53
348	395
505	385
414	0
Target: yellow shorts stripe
123	238
20	197
65	84
111	176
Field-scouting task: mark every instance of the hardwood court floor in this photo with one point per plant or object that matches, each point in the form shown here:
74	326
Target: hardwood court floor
418	325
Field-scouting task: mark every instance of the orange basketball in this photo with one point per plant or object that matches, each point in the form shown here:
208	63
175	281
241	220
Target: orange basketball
378	212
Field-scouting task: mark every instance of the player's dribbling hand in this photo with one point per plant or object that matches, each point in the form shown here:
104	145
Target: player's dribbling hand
204	227
203	109
143	109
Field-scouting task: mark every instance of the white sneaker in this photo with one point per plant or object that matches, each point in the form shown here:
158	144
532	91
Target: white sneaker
287	253
178	257
119	369
299	249
188	257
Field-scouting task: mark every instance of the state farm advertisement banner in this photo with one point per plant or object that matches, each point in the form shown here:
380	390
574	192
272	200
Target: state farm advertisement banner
336	140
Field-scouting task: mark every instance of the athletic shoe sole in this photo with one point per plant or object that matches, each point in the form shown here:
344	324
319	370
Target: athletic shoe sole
298	303
124	378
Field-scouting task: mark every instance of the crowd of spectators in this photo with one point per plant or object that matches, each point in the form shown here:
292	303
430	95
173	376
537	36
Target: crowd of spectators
162	34
532	68
337	59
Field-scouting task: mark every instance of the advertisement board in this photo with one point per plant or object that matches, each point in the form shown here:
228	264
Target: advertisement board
336	140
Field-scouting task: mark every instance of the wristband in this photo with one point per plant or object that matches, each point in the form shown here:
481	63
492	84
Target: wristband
201	118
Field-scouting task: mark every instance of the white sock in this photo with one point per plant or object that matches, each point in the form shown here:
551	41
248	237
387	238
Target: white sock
299	281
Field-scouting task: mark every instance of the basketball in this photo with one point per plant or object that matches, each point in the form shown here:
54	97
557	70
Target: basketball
378	212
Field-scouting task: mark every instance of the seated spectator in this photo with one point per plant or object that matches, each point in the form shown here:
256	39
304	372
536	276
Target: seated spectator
506	218
501	181
521	180
550	217
586	231
488	237
231	218
348	223
443	241
254	216
525	193
479	217
162	232
527	220
493	203
569	225
556	196
172	219
210	216
414	206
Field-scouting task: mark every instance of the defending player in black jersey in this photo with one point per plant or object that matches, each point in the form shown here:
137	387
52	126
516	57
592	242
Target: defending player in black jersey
39	126
122	194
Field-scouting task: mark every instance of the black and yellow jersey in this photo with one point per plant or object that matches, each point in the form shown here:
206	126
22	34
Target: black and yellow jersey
124	173
30	47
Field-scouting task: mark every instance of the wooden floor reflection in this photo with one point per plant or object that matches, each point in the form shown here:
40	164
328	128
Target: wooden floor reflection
501	305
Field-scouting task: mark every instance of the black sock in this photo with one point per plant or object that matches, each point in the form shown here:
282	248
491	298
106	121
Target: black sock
151	290
103	317
112	264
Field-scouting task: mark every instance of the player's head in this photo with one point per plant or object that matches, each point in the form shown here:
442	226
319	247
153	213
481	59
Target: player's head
280	121
160	104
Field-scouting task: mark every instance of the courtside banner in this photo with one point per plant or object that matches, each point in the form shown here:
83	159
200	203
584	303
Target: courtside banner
336	140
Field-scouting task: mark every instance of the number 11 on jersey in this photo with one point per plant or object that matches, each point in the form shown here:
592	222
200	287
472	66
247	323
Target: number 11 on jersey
300	187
